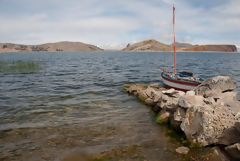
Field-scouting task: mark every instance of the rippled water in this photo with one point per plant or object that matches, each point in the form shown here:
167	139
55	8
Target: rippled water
75	103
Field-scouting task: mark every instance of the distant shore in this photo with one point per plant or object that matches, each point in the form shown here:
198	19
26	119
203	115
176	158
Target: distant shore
143	46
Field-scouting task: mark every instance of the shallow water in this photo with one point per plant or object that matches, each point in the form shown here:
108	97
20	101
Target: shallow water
75	103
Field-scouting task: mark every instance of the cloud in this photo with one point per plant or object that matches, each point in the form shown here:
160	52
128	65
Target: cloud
113	24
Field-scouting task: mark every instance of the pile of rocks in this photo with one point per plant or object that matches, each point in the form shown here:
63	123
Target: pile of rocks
208	115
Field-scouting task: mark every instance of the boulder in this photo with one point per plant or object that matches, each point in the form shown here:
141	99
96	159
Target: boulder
182	150
150	91
157	95
234	150
214	86
206	124
169	103
188	101
179	114
149	102
142	94
228	99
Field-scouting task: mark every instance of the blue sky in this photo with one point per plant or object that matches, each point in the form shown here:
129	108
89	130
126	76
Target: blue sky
114	23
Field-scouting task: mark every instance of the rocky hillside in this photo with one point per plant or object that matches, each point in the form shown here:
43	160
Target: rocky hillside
153	45
148	45
223	48
64	46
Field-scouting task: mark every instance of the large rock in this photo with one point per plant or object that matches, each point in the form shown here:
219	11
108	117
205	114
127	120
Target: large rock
142	94
214	86
150	91
157	95
229	99
179	114
206	124
188	101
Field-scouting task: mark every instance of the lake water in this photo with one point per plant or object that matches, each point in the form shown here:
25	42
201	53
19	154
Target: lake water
74	106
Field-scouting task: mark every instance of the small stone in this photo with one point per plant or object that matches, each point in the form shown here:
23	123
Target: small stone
182	150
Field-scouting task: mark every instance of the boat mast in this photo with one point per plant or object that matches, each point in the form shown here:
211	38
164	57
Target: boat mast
175	70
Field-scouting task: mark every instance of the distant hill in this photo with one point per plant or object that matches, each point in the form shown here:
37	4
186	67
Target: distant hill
222	48
154	45
147	45
64	46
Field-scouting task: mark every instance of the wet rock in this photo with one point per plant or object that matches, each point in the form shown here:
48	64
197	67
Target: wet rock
182	150
142	94
214	86
234	150
163	117
149	102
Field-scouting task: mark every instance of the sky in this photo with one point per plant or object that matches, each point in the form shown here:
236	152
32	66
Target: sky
112	24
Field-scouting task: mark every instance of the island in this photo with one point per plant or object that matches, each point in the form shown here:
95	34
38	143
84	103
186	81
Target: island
154	45
63	46
143	46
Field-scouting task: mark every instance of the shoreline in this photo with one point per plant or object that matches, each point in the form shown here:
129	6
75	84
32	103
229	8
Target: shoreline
209	115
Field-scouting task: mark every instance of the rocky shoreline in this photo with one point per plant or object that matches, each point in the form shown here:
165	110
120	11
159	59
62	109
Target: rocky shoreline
209	115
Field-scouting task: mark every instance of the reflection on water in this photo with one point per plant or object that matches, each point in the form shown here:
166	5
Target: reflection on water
75	104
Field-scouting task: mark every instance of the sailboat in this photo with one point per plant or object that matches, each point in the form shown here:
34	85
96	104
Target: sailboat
183	81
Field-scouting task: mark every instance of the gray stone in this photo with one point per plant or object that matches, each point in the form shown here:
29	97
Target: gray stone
188	101
206	124
142	94
214	86
170	91
149	92
169	103
157	95
149	102
179	114
182	150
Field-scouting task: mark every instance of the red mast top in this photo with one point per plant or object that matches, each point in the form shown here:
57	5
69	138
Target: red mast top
175	70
